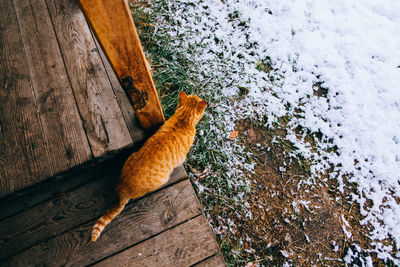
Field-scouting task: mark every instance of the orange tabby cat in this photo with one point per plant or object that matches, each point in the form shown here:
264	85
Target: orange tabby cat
150	167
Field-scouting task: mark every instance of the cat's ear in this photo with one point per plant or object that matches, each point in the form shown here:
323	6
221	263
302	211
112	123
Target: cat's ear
202	105
182	98
182	95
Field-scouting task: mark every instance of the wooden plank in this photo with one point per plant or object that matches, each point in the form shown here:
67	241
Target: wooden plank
129	114
57	185
62	126
182	245
139	221
61	213
23	153
17	203
52	217
117	34
100	112
214	261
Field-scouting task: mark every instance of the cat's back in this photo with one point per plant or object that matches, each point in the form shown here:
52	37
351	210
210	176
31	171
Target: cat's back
170	143
163	151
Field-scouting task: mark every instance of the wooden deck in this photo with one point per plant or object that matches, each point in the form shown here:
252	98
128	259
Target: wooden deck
66	127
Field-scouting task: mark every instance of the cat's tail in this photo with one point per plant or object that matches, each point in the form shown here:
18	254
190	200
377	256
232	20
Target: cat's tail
116	207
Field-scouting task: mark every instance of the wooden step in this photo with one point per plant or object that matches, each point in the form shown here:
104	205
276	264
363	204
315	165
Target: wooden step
57	231
61	213
183	245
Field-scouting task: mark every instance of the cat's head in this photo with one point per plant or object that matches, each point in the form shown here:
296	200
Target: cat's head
193	106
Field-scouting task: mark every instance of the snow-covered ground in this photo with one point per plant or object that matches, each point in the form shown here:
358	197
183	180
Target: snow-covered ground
350	47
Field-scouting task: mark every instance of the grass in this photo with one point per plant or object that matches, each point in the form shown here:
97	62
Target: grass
250	233
172	73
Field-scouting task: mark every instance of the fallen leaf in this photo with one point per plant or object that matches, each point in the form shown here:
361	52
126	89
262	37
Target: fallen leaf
234	134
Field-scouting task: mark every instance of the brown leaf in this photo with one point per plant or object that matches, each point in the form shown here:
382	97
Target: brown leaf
234	134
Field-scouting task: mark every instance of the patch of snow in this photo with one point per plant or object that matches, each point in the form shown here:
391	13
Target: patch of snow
199	186
345	230
307	238
295	208
285	253
335	246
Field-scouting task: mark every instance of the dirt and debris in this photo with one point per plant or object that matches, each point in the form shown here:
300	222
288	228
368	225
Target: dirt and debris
291	220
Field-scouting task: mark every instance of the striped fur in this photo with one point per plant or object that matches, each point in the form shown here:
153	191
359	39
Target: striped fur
150	167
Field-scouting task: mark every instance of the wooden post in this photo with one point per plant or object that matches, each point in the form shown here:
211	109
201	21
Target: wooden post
113	25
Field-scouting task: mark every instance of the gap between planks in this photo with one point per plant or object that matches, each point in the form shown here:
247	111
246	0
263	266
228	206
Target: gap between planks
216	260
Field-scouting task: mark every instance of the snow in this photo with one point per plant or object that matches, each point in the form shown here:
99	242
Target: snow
285	253
350	47
344	227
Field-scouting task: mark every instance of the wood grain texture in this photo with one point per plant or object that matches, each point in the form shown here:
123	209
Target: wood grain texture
62	126
16	203
62	213
52	217
99	109
117	35
182	245
73	178
131	121
23	152
214	261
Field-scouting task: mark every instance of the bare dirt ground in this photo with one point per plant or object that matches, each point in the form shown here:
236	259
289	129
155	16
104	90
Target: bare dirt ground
291	220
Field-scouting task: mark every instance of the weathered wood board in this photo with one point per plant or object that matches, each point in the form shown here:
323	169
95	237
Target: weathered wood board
24	155
117	35
137	133
175	247
139	221
64	182
61	213
102	118
66	140
58	108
